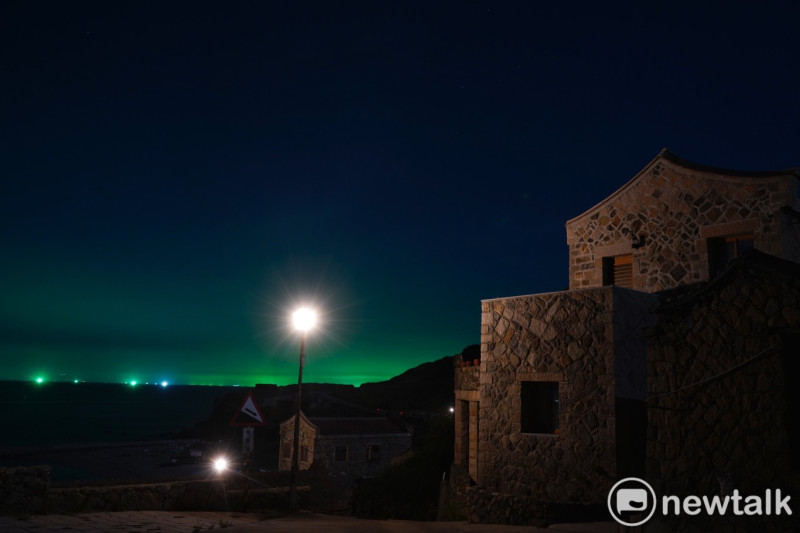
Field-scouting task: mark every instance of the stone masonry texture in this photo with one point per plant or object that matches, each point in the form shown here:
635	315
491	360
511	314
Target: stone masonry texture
569	338
686	378
721	365
670	209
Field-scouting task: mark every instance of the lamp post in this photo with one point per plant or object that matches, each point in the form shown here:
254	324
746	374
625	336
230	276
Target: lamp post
304	319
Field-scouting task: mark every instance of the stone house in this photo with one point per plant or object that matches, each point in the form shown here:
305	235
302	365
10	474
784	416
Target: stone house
348	448
561	405
677	223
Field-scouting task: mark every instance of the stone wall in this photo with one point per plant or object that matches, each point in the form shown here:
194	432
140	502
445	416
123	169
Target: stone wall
23	490
360	460
488	507
177	495
632	313
790	222
467	378
721	364
27	490
669	211
308	435
359	463
565	337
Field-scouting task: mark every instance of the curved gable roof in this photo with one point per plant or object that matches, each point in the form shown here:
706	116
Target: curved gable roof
667	155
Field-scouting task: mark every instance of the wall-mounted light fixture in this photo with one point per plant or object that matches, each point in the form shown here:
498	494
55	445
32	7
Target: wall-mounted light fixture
637	241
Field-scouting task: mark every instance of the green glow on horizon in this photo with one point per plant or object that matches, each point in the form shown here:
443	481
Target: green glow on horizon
280	372
327	361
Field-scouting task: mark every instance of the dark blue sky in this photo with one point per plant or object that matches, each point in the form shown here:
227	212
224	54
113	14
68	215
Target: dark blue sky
177	176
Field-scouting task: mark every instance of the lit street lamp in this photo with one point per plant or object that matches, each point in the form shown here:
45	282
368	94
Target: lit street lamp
304	319
220	464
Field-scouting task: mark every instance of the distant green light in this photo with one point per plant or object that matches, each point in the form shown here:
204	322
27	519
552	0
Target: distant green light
39	380
164	384
133	383
76	381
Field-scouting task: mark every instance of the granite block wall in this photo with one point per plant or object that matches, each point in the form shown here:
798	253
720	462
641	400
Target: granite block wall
359	462
666	214
308	435
721	365
568	338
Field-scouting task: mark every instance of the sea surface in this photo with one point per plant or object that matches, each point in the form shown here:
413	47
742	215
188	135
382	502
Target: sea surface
58	413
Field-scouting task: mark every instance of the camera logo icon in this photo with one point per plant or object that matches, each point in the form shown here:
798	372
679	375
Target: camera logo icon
631	501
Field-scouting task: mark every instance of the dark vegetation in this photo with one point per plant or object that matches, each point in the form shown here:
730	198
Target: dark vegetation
410	490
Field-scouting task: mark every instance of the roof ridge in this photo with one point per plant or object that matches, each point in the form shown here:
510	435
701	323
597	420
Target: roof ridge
672	157
668	155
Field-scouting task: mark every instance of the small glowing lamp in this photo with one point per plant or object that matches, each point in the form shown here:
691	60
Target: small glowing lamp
40	380
220	464
304	319
164	384
133	383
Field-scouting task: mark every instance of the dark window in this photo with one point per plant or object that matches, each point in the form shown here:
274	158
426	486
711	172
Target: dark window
304	453
539	406
373	452
723	250
340	454
618	271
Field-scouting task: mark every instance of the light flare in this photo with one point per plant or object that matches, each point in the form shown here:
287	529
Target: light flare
220	464
304	319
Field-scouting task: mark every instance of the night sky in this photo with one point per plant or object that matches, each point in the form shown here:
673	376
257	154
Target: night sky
178	176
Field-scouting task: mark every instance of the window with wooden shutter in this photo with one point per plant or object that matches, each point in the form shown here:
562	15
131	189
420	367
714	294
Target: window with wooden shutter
618	271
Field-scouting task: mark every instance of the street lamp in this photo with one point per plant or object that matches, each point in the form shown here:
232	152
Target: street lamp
304	319
220	464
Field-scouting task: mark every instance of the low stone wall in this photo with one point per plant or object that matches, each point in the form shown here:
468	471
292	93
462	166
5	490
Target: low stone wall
27	490
467	378
23	490
174	496
488	507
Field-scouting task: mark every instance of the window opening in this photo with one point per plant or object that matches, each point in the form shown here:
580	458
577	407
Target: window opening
723	250
340	454
373	452
539	407
618	271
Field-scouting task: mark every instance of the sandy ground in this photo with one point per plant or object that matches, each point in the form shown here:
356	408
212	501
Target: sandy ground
195	522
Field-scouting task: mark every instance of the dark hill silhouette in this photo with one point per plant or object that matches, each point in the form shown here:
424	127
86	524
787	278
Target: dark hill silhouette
420	391
427	387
